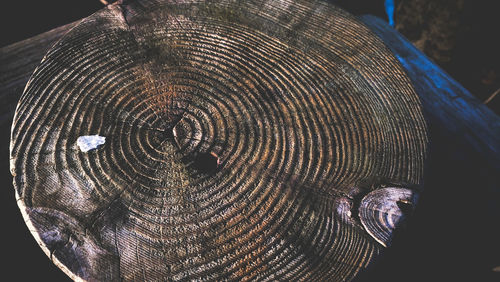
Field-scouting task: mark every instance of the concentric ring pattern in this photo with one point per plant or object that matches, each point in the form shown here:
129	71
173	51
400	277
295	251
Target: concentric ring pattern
239	137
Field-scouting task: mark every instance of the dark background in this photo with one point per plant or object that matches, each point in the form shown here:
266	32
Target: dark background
458	35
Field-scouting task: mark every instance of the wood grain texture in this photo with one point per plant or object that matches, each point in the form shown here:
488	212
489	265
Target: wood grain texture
383	210
297	109
17	63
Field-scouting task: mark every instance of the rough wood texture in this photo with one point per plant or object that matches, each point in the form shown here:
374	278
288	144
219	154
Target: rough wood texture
241	138
17	62
382	211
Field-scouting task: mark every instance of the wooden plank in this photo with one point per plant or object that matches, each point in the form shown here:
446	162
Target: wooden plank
454	233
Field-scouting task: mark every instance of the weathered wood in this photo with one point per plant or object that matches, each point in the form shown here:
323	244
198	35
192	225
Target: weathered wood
381	211
295	107
17	63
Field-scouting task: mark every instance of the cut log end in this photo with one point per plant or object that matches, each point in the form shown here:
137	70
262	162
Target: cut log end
234	135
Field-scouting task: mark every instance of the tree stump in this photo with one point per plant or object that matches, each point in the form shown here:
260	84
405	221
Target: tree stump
217	140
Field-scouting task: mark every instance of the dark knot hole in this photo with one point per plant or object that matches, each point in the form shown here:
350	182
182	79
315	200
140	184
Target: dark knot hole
206	162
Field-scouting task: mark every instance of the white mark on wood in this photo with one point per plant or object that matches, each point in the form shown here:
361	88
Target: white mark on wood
90	142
